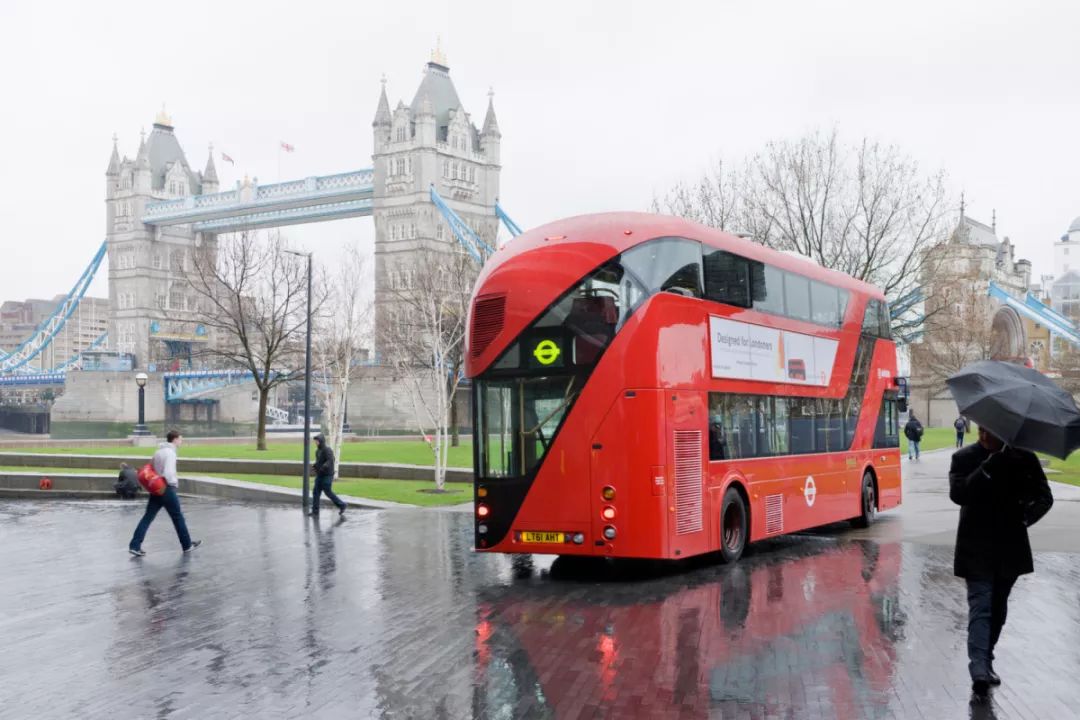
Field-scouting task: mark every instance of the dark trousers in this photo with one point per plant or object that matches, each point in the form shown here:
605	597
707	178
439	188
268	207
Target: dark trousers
988	604
322	485
959	438
171	502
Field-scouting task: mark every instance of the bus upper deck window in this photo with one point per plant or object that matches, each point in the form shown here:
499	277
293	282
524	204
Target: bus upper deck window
672	264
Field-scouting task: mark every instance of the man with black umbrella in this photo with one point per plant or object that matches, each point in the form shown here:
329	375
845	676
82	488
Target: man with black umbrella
1001	491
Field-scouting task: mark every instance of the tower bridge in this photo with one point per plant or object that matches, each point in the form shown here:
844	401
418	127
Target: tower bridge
433	177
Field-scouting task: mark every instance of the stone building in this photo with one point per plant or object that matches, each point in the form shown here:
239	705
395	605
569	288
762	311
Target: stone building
963	323
432	142
153	306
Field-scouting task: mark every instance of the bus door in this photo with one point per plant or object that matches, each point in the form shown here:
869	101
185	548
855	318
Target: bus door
690	517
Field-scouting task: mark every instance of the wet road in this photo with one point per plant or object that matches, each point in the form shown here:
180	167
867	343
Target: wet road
388	615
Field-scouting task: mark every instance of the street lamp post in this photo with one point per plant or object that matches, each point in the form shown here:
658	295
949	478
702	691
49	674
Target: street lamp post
307	387
141	429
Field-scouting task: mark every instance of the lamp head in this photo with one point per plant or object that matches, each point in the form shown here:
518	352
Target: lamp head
140	379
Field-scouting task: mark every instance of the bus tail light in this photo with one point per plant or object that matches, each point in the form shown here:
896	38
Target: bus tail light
481	491
609	532
608	513
482	529
608	493
482	511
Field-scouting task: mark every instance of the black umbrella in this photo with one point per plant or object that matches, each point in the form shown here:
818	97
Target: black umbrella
1021	406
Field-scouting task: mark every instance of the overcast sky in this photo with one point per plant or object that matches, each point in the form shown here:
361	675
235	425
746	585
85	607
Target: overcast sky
601	104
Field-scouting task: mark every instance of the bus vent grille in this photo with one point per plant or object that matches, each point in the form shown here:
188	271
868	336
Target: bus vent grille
487	322
774	514
687	481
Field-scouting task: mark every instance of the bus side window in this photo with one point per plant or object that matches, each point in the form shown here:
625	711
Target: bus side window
885	320
727	278
769	291
802	425
797	296
824	306
671	264
871	324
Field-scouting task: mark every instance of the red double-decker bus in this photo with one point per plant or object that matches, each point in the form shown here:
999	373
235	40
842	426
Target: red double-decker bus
644	386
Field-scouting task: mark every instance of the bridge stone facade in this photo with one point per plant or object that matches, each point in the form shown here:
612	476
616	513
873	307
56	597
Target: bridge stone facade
152	307
432	142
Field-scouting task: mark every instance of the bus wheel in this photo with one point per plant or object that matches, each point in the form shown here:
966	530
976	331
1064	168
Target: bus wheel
868	511
733	526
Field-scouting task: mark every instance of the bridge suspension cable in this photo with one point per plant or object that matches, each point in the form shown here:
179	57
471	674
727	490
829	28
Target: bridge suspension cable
512	226
465	235
33	345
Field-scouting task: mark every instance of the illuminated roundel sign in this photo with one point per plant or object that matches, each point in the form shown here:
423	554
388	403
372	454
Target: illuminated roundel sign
546	352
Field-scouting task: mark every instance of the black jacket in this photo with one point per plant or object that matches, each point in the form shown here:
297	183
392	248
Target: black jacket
127	483
999	495
324	461
913	429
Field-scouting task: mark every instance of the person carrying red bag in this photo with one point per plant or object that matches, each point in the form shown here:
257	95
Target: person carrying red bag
164	463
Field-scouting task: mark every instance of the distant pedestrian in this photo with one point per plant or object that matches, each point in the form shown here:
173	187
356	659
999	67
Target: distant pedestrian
913	431
961	429
127	482
165	465
1001	492
324	477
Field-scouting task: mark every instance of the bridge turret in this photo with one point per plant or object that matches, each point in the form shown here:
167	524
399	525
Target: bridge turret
143	180
490	137
383	120
209	177
112	173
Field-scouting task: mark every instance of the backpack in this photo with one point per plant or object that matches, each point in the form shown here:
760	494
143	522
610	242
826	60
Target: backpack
960	425
151	481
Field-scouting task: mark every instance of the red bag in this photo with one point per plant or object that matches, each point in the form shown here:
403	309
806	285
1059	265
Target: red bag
151	481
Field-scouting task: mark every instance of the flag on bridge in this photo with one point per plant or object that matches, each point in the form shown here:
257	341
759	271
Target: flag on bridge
286	146
226	158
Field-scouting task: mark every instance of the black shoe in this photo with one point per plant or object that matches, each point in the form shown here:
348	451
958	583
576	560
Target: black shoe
994	678
980	688
137	552
313	514
194	544
341	510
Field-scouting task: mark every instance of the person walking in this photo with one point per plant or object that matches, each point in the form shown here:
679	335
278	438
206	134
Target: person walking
961	429
164	462
913	431
1001	492
324	466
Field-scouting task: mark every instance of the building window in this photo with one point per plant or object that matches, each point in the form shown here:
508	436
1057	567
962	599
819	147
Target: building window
401	134
1065	250
157	261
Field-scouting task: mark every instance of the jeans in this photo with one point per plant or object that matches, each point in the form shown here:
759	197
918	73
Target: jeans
959	438
913	447
988	604
322	485
171	502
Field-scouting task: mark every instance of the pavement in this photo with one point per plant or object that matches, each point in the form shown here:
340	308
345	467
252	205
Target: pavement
388	614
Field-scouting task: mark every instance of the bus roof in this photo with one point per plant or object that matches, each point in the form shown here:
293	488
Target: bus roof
601	236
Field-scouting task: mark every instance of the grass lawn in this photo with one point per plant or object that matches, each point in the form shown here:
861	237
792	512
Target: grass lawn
935	439
401	491
408	452
1069	469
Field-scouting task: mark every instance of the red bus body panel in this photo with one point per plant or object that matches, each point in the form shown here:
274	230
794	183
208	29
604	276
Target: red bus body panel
654	380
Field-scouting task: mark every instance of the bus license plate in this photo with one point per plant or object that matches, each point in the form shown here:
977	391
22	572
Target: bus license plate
543	537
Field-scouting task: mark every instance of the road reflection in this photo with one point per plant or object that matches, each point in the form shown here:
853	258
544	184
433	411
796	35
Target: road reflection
800	627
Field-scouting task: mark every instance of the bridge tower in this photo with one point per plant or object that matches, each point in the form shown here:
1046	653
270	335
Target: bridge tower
152	308
431	141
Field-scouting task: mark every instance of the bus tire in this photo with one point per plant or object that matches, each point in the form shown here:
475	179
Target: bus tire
867	503
733	526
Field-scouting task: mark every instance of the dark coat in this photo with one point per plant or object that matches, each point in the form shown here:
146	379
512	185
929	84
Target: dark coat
324	461
127	483
913	429
1000	495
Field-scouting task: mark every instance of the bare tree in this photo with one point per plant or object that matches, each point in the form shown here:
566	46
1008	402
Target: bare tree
866	210
253	296
425	339
343	333
959	331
